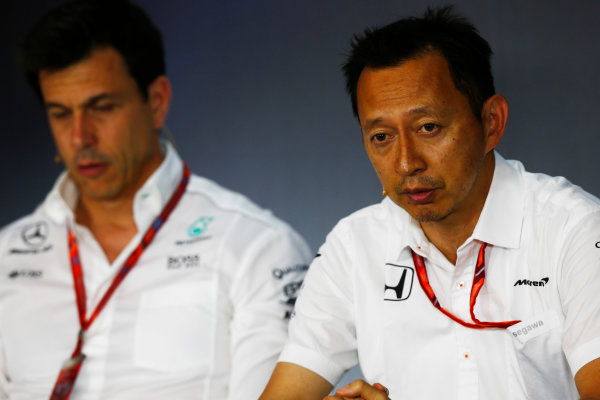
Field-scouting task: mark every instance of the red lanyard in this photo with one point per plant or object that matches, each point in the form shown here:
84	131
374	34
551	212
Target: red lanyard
478	278
70	369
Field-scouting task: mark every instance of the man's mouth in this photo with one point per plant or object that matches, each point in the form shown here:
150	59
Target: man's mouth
420	195
91	169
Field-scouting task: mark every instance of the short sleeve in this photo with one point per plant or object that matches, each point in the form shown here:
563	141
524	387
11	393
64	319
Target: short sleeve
322	331
3	370
579	292
263	293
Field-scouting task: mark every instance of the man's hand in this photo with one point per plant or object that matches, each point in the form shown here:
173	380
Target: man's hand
360	389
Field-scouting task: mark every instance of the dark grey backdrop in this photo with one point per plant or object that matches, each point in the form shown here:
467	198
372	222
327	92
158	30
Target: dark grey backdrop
259	104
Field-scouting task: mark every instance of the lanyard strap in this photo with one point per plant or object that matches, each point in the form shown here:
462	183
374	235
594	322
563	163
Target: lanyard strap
478	279
70	369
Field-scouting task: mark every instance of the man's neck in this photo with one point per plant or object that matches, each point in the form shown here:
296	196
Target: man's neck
451	232
110	221
448	237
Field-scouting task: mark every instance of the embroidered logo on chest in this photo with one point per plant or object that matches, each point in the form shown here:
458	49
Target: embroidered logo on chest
34	237
541	282
398	282
183	261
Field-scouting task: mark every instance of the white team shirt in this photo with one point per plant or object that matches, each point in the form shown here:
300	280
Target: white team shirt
362	301
201	316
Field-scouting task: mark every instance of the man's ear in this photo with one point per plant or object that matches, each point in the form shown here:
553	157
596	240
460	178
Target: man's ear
494	115
159	99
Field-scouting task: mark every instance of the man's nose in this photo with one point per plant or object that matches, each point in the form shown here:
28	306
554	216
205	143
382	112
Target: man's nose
409	160
82	131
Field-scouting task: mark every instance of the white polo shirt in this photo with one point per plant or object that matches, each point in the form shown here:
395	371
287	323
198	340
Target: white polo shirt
201	316
542	267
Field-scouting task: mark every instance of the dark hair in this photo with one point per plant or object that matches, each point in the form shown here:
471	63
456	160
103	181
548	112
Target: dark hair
70	32
466	52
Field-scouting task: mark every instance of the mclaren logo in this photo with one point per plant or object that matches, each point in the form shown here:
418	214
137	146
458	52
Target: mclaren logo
35	235
541	282
398	282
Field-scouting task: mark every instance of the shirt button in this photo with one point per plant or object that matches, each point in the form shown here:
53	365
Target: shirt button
460	285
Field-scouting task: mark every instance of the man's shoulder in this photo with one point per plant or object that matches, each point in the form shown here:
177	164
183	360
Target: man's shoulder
373	217
557	195
29	231
553	207
41	213
36	215
234	204
246	229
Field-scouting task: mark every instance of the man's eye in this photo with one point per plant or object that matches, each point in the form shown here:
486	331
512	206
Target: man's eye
104	107
379	137
58	114
429	128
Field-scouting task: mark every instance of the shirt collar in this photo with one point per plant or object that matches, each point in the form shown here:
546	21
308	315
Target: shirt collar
501	219
500	222
148	202
411	234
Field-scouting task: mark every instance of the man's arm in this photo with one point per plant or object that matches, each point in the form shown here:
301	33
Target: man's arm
271	268
579	287
360	389
3	394
293	382
587	380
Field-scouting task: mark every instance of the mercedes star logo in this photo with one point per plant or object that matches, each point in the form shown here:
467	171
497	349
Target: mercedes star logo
35	234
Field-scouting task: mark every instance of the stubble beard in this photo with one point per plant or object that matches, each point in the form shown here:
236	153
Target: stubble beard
424	212
429	215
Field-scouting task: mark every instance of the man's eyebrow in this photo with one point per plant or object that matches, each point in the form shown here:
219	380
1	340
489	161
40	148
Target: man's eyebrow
99	97
419	110
51	104
90	102
369	124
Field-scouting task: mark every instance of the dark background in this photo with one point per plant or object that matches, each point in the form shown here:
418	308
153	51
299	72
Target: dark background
259	103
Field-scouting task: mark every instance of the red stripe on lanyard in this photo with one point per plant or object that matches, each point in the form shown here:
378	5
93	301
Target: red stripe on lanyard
70	369
77	276
478	279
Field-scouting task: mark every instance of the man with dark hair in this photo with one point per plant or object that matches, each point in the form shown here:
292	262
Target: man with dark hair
133	279
472	279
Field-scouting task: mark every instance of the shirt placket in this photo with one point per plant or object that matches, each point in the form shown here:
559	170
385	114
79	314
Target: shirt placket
97	277
461	283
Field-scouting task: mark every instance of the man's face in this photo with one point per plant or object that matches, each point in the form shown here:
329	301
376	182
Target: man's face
104	129
422	138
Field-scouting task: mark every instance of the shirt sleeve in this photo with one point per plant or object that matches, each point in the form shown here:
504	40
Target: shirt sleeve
322	334
3	368
3	377
579	292
263	295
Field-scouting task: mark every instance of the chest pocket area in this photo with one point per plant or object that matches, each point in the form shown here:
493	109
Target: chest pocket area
174	328
538	345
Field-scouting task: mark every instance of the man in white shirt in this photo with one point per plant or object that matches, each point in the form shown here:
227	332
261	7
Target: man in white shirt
472	279
133	279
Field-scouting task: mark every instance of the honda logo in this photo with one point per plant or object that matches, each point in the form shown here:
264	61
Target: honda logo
398	282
